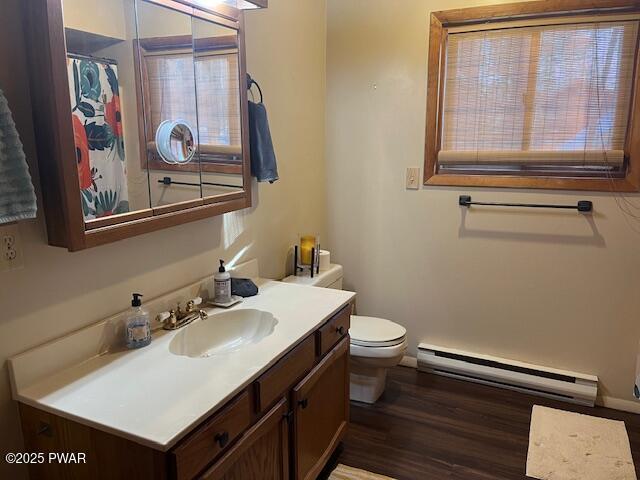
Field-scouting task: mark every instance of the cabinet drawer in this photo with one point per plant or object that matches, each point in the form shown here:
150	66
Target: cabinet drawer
202	446
332	331
273	384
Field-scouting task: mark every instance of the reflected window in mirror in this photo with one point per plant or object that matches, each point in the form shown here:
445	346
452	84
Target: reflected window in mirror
169	77
169	73
219	103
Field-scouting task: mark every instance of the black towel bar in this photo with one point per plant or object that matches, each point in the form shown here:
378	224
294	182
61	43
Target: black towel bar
168	181
582	206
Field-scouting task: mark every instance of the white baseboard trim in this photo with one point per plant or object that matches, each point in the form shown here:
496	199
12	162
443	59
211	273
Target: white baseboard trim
407	361
631	406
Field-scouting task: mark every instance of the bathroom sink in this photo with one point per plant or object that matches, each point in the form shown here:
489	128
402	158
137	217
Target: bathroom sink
222	333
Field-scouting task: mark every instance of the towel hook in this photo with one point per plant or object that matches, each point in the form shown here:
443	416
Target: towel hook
251	82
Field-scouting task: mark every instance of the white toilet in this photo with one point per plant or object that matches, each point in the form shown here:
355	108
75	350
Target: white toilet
376	344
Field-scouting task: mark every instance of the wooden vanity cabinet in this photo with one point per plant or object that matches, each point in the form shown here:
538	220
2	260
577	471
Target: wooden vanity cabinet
285	425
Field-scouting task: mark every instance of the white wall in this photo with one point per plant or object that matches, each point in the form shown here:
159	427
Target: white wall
551	288
58	291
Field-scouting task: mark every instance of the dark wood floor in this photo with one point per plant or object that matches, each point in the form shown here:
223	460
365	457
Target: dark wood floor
432	427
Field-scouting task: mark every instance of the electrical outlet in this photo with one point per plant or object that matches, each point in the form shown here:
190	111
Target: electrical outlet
413	178
10	248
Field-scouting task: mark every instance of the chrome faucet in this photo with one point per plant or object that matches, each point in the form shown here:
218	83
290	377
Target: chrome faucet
178	318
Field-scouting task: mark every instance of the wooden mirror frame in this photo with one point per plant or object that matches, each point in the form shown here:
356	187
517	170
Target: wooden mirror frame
55	144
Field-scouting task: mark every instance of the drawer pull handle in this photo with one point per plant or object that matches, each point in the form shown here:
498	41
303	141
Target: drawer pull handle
340	330
303	403
45	429
222	439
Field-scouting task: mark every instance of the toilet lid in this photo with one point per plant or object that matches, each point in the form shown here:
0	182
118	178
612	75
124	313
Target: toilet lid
375	332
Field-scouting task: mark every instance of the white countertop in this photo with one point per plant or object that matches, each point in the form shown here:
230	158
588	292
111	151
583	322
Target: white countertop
154	397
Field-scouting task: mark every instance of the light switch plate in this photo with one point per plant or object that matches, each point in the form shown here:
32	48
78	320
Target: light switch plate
11	257
413	178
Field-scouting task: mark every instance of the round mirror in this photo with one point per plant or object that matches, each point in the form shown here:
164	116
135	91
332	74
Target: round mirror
175	142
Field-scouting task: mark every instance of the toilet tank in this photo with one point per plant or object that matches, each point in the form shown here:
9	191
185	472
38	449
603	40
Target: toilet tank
329	278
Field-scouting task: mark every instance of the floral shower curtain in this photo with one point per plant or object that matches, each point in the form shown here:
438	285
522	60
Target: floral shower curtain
98	135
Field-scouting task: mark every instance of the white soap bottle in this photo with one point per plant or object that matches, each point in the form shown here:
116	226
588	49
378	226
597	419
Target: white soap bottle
138	329
222	285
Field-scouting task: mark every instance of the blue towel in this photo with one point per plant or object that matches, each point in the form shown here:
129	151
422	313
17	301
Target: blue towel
263	157
17	196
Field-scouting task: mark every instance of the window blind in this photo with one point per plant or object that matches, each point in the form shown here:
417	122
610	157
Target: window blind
218	82
171	88
175	88
538	96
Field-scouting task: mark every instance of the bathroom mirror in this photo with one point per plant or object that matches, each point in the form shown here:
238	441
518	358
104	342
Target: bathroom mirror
101	72
167	71
143	123
218	96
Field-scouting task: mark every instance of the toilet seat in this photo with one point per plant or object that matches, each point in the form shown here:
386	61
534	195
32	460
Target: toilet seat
392	354
372	332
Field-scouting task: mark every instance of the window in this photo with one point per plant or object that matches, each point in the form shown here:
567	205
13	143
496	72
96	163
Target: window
542	101
219	101
175	80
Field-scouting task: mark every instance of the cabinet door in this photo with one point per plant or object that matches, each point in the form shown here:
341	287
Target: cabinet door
321	412
262	453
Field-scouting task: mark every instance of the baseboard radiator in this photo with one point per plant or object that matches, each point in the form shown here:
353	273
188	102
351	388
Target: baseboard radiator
499	372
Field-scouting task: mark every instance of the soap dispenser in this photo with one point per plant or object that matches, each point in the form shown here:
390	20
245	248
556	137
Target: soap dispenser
222	285
138	329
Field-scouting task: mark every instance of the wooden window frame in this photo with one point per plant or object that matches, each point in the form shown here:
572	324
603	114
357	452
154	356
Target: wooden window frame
147	46
440	23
